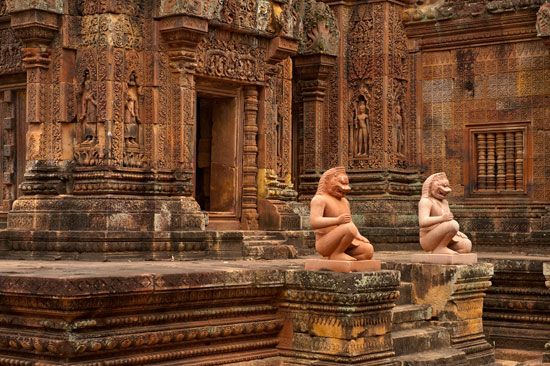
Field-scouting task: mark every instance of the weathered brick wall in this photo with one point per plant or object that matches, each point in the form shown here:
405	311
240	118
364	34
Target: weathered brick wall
485	86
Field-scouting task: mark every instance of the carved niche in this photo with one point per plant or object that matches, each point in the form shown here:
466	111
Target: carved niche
365	134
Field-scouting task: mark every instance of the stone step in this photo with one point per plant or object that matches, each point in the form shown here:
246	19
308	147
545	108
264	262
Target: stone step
428	338
405	293
442	356
270	251
411	316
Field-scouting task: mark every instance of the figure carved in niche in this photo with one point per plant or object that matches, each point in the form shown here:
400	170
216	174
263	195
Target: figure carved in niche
438	231
88	110
361	128
336	236
132	120
399	132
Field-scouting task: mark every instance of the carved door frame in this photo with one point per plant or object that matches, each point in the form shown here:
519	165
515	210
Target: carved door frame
12	138
215	89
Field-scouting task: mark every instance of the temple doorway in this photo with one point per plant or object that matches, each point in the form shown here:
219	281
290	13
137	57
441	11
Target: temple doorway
216	167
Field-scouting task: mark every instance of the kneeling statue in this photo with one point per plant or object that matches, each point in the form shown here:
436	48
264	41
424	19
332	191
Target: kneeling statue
438	231
336	237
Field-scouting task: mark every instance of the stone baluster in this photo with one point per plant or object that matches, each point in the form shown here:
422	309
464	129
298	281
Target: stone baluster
491	182
519	160
250	154
481	161
510	173
501	167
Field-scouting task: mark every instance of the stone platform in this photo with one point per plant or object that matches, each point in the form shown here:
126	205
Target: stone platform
213	312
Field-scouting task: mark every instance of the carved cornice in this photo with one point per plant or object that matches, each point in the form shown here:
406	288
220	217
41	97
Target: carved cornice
51	6
499	28
183	31
35	27
280	48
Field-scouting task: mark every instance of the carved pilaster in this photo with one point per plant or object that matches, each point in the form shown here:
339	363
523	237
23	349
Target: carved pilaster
250	168
182	35
36	29
312	73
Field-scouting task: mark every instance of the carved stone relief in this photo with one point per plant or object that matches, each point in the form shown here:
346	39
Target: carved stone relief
117	30
10	51
318	32
231	56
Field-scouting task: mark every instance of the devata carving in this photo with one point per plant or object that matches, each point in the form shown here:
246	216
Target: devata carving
88	111
361	128
132	120
336	236
438	231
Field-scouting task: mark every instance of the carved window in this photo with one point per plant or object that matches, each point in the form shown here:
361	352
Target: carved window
498	163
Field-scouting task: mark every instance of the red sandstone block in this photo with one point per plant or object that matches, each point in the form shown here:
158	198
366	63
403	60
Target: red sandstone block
342	266
467	258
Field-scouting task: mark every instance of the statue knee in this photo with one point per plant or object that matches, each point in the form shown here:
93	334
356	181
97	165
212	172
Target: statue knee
454	226
351	229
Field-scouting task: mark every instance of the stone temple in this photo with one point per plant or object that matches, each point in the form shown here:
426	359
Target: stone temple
159	156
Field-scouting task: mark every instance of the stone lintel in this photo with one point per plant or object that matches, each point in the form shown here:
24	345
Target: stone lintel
280	48
183	31
342	266
466	258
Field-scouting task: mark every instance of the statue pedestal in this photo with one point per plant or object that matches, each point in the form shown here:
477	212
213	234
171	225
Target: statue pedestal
332	318
342	266
467	258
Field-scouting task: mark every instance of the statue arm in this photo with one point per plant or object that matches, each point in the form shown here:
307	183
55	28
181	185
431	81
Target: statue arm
424	218
316	218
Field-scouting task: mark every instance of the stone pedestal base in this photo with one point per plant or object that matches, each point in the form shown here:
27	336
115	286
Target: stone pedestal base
432	258
112	227
342	266
335	318
455	294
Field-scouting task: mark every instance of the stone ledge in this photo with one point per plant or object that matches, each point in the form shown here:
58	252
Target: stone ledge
342	266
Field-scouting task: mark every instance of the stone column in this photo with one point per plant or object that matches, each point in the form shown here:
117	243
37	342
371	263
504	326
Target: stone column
338	318
249	217
312	72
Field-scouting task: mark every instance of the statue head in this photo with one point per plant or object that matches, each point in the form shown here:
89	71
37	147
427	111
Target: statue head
334	182
437	186
362	106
